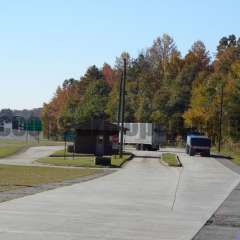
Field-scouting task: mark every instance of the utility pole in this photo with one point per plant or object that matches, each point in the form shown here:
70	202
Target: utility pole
122	89
220	120
120	100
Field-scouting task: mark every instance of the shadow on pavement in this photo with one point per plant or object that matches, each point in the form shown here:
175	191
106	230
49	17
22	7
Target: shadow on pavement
215	155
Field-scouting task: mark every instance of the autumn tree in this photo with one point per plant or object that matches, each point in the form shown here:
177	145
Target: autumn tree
162	86
94	103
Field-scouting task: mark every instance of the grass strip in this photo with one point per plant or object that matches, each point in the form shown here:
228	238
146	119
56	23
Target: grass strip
12	177
234	154
82	161
170	159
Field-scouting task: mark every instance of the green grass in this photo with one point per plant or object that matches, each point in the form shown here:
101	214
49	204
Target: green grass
170	159
8	148
117	161
82	161
233	153
12	177
235	157
11	147
60	153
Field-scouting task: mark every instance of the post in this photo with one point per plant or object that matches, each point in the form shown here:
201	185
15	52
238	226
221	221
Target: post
73	150
120	100
65	148
123	105
38	137
49	125
220	121
27	126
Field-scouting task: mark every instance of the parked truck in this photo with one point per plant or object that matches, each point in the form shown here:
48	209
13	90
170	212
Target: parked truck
198	144
145	136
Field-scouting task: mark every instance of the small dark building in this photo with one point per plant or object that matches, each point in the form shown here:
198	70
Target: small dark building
95	137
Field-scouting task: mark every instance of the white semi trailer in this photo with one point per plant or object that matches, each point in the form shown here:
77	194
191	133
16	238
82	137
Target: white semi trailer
145	136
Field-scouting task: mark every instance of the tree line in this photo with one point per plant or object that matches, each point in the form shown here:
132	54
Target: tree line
179	92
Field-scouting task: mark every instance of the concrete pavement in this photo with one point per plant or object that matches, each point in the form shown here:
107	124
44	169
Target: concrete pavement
143	201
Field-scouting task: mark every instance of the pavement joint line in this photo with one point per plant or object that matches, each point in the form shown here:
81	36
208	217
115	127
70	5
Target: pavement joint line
177	187
179	179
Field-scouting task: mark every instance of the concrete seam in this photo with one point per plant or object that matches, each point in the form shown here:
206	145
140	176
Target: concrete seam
176	190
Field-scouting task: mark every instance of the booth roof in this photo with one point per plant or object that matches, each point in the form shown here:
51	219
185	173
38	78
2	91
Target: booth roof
98	125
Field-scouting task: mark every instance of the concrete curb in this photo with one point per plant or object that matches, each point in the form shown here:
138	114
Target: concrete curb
179	162
127	160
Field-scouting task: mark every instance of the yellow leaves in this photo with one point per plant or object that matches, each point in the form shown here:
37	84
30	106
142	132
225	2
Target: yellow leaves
236	69
195	116
199	97
230	86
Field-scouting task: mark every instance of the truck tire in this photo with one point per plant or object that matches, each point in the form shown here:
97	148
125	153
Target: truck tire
138	147
206	153
187	150
191	152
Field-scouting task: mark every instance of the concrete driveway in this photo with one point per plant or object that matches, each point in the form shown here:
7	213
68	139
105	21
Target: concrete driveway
143	201
30	155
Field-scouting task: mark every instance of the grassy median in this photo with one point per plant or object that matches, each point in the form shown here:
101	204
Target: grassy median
80	160
12	177
170	159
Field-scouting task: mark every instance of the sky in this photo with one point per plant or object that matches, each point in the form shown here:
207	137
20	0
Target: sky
44	42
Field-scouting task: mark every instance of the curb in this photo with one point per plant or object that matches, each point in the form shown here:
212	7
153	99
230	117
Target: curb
179	162
127	160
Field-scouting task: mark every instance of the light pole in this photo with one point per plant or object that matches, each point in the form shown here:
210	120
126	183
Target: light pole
122	111
220	119
120	100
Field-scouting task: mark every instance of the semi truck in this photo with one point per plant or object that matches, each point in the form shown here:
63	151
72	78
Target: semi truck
198	144
145	136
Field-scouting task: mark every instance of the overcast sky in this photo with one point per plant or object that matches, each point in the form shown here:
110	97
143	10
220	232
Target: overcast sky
44	42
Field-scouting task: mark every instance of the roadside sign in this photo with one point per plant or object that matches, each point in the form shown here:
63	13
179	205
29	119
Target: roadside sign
69	136
115	141
34	124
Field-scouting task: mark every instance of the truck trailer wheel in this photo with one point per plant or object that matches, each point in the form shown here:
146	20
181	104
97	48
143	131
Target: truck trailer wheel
206	153
191	152
138	146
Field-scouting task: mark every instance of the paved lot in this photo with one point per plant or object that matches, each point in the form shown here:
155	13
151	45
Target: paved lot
143	201
30	155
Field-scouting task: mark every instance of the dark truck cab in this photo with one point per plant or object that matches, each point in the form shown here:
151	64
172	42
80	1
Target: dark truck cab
198	144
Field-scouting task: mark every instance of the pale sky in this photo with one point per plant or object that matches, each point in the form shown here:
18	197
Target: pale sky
44	42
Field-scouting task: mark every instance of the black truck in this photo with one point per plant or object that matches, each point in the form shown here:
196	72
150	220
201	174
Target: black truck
198	144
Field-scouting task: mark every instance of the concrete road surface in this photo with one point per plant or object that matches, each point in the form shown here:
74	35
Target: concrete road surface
225	223
143	201
30	155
